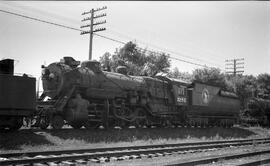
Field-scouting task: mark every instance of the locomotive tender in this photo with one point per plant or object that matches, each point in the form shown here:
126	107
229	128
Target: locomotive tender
17	96
118	99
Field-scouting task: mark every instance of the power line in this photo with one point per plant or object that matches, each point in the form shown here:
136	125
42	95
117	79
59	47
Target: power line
71	28
60	25
164	49
105	37
176	53
36	19
197	64
128	36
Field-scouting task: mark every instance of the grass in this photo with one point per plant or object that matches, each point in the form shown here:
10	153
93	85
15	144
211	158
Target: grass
34	140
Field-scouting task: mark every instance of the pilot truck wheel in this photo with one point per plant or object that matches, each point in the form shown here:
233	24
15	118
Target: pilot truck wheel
57	122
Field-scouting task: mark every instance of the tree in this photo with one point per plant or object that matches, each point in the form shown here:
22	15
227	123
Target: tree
137	61
156	63
105	61
263	81
210	75
175	73
243	85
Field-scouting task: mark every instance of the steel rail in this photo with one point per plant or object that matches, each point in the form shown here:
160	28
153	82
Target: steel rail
255	163
56	152
224	157
119	153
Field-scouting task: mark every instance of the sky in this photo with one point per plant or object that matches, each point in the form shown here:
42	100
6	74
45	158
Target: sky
206	33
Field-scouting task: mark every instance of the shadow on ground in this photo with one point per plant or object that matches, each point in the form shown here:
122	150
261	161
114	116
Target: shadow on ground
114	135
34	138
14	140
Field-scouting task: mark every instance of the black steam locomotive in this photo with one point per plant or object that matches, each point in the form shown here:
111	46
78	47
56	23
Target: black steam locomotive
17	96
87	96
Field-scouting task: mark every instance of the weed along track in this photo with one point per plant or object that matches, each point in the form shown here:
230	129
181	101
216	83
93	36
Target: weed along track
84	156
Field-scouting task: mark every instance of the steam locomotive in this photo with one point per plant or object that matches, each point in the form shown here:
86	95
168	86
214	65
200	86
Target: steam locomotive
119	99
17	96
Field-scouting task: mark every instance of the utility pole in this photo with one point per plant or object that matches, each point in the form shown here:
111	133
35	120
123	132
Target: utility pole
92	24
234	65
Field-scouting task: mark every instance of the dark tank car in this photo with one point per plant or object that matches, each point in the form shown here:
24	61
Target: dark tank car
118	99
17	96
257	111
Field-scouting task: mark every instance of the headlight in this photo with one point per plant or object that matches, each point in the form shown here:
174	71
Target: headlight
51	75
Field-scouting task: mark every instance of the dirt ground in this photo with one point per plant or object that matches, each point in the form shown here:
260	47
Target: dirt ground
36	140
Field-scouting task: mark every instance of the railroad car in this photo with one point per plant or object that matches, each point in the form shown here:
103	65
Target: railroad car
118	99
17	96
256	112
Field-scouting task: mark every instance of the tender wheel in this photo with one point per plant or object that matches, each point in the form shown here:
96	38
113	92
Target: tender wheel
57	122
141	118
123	124
192	123
139	122
18	122
44	123
91	125
44	126
148	123
112	123
76	125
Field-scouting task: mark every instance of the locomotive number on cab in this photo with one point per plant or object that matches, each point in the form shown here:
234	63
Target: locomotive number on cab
181	100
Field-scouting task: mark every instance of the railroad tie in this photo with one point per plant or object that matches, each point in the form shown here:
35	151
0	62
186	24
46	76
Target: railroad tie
192	151
75	154
113	158
181	152
103	159
151	155
68	163
40	156
167	153
134	156
52	163
25	157
143	155
81	161
53	155
159	154
39	164
124	157
94	160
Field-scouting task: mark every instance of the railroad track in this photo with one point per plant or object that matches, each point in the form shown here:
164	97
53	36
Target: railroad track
207	160
85	156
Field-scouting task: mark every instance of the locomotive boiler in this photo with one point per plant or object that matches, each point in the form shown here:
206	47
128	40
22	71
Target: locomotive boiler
118	99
